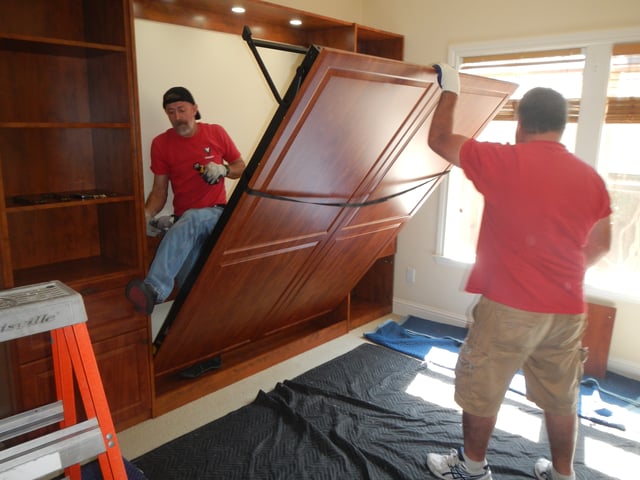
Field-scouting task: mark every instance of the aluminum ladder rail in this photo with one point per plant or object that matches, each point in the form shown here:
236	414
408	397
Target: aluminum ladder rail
56	308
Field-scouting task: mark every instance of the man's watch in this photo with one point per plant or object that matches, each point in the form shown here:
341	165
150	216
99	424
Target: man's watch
227	170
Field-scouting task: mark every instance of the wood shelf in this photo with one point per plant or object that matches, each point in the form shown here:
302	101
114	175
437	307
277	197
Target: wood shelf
61	125
75	272
49	46
70	125
269	21
14	205
100	22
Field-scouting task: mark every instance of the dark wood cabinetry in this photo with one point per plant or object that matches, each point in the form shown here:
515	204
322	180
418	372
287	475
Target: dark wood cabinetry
71	194
69	159
372	297
70	185
597	338
306	252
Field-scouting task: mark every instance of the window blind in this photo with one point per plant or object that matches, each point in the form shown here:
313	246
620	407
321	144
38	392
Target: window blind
623	99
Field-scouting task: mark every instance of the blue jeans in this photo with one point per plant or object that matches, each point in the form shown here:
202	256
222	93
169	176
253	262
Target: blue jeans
179	249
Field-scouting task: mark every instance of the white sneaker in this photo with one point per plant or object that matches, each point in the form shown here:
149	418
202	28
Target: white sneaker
453	467
543	469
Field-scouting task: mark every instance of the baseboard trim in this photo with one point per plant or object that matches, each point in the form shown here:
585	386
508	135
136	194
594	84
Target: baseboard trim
405	307
624	368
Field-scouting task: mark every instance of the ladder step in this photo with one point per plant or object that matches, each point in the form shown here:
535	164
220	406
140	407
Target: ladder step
39	308
31	420
56	308
52	452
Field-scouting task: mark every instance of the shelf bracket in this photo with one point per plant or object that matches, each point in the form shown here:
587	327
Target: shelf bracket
254	43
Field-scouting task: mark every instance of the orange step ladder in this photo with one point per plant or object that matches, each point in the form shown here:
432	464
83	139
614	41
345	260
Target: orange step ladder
54	307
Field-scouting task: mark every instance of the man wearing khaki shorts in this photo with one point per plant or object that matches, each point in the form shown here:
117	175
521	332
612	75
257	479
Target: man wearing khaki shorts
502	340
545	221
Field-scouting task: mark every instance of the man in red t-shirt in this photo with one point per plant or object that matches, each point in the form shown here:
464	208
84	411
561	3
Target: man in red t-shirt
193	157
545	221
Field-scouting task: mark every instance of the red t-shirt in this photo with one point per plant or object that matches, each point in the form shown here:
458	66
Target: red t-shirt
174	155
541	203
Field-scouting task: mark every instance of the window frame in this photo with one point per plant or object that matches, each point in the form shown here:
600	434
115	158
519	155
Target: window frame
598	48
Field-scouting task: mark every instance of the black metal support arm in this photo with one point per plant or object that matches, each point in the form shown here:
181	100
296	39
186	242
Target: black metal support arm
253	43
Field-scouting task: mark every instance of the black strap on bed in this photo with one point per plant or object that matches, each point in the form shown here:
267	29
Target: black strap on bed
345	204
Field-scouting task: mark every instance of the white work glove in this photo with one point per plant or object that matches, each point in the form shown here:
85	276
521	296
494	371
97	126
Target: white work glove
163	223
152	230
213	172
448	78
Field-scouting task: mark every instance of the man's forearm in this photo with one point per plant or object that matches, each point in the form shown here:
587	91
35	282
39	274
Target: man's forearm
441	138
442	122
598	243
236	168
154	204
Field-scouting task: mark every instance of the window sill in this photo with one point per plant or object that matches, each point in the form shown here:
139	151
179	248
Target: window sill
589	290
609	295
450	262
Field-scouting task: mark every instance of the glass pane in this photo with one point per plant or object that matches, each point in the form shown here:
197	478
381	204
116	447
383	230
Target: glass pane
624	79
619	165
464	204
563	74
619	270
462	222
618	161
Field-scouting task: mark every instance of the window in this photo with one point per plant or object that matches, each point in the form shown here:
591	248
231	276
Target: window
619	164
602	84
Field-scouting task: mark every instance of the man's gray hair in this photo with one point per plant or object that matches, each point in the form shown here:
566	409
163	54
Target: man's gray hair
542	110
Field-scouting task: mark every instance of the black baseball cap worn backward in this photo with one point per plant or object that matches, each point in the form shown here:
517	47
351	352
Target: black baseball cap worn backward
178	94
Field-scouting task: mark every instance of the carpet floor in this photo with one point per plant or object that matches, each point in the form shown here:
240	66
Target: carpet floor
601	401
373	413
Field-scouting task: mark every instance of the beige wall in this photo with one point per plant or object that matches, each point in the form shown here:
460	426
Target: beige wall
347	10
430	26
230	90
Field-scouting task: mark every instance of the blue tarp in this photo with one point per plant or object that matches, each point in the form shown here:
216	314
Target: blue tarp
442	351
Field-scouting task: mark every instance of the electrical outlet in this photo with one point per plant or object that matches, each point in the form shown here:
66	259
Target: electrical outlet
411	274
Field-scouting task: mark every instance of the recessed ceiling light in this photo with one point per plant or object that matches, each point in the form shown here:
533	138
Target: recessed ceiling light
238	10
295	22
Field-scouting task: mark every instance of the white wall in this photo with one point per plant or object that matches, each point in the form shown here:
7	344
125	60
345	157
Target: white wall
229	88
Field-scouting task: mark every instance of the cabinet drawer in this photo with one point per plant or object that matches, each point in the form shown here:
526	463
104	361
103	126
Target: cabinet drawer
124	365
109	314
33	347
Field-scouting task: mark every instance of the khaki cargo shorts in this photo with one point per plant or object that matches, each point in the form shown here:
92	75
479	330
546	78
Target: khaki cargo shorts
501	340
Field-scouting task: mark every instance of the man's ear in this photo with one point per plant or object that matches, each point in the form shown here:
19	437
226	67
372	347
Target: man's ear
519	137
